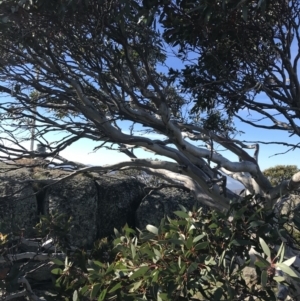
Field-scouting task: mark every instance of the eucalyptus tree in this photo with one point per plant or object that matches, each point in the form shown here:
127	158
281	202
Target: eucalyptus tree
241	50
90	68
278	173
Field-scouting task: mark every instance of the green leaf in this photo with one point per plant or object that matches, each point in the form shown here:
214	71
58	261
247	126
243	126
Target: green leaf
133	250
222	257
189	242
209	260
261	262
115	287
140	272
264	278
66	261
289	262
154	276
57	261
197	238
95	290
117	233
265	247
213	226
157	253
279	279
286	269
163	296
179	261
218	294
176	241
75	296
281	252
192	267
84	289
135	286
182	208
102	295
98	263
128	230
152	229
57	271
182	214
201	245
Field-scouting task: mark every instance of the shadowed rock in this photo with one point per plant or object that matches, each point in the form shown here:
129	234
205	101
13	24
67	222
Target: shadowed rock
163	202
18	205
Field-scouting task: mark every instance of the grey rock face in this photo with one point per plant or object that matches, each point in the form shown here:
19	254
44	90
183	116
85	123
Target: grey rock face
97	204
18	205
118	199
76	198
160	203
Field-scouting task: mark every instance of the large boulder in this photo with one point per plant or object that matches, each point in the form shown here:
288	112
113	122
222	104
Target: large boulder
97	204
118	199
18	204
75	198
163	203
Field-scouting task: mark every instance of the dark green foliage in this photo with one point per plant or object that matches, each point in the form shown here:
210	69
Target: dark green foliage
57	226
279	173
232	51
197	256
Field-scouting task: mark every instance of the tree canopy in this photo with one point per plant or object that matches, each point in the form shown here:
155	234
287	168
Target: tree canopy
279	173
238	50
95	65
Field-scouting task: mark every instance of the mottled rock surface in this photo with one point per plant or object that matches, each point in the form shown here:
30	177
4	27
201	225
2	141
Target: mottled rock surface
96	203
18	205
160	203
76	198
119	197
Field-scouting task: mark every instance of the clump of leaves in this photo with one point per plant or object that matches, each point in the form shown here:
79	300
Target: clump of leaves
197	256
103	250
56	226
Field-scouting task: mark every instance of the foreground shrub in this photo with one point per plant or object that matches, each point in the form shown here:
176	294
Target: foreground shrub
199	256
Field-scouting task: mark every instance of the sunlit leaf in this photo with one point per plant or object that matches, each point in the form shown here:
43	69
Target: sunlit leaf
75	296
201	245
197	238
135	286
95	290
152	229
265	247
279	279
286	269
290	261
140	272
57	271
281	252
102	295
182	214
133	250
57	261
115	287
193	266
